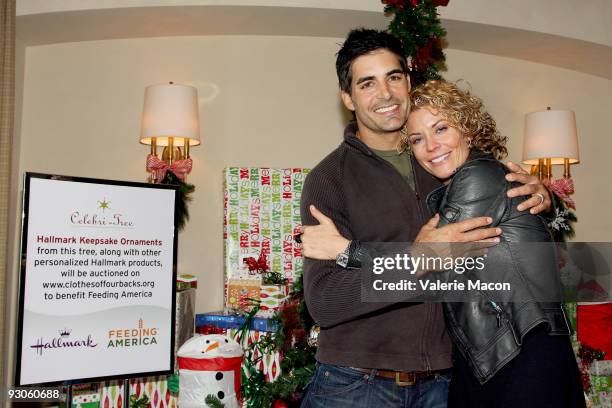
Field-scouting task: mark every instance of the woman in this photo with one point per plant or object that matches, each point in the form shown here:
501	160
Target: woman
508	354
511	354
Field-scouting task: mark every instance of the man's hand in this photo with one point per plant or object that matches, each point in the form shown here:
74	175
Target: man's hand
322	241
533	186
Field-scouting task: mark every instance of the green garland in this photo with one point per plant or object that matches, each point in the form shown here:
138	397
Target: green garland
184	197
417	25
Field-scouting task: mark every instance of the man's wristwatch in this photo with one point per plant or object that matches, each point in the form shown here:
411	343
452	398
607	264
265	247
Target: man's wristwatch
351	256
342	258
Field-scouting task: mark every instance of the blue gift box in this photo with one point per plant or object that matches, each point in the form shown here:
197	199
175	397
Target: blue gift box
224	320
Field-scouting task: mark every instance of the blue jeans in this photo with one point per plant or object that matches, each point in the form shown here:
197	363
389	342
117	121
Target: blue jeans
341	387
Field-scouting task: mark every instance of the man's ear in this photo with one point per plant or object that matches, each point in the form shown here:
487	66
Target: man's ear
347	100
409	84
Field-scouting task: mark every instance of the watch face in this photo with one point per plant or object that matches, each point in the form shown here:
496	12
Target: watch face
342	259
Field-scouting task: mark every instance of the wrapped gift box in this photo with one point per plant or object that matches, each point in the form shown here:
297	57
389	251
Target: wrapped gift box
594	322
271	299
601	383
601	367
86	395
270	363
186	281
261	216
242	293
111	395
155	388
224	321
600	400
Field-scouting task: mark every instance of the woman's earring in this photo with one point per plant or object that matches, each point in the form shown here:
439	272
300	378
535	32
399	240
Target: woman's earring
469	143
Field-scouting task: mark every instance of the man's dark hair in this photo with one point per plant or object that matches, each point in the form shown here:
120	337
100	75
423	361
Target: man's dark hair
362	41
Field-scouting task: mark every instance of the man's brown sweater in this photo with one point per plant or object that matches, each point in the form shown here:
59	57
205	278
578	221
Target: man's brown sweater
369	201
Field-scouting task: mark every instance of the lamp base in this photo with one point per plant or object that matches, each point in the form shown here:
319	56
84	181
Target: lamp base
177	154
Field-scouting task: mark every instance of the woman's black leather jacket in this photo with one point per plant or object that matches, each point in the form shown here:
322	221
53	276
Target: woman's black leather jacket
489	330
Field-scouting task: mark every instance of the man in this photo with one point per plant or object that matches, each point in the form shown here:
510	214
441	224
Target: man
377	354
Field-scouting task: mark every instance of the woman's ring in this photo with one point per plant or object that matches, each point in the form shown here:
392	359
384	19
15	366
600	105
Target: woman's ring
541	197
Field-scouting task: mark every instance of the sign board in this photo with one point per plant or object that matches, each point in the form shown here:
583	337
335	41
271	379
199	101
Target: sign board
98	272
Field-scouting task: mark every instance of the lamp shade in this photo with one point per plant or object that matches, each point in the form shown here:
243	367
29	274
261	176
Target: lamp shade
550	134
170	110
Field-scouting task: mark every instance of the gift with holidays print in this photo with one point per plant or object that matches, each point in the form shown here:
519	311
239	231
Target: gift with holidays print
261	217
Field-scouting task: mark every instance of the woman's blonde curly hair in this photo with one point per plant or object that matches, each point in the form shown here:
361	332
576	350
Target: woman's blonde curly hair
463	111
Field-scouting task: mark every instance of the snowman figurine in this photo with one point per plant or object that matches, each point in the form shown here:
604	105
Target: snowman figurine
209	365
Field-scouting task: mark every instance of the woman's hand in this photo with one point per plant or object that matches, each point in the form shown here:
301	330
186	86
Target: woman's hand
323	241
540	197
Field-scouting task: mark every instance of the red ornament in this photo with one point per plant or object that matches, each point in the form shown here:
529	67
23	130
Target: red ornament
442	3
279	404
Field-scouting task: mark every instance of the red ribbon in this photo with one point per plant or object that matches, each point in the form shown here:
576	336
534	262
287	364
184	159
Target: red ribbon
180	168
209	329
563	188
256	265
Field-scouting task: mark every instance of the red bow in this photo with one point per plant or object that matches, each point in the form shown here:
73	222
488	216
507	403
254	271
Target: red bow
563	188
256	265
180	168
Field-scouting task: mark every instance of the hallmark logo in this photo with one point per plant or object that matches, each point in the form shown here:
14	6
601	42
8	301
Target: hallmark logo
139	336
63	341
